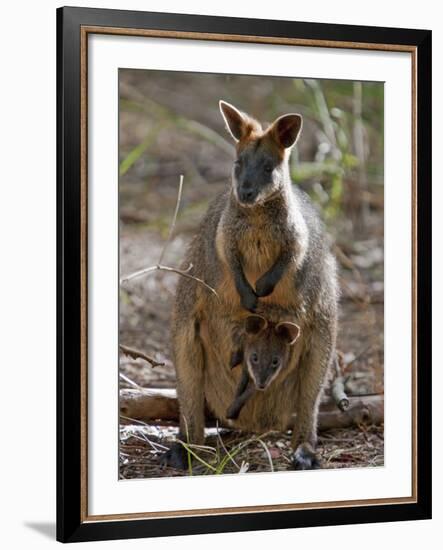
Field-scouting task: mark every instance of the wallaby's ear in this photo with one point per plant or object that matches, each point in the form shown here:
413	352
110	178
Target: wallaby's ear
286	129
289	331
235	121
255	324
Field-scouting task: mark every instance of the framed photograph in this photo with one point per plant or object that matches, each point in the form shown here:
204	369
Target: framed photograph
244	274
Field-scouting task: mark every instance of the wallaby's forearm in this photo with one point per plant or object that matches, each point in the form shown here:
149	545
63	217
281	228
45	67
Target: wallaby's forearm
244	392
243	384
236	358
247	295
267	282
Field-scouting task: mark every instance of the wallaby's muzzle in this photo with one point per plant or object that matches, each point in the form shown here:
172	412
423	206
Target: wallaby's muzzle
246	194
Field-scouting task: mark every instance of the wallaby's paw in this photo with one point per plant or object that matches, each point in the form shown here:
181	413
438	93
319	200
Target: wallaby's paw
232	413
263	287
305	458
249	301
176	457
236	358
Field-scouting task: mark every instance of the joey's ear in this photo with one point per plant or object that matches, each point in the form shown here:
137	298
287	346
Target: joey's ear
289	331
286	129
255	324
235	121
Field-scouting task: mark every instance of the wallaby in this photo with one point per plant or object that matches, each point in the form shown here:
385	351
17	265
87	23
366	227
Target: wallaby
269	236
260	244
262	347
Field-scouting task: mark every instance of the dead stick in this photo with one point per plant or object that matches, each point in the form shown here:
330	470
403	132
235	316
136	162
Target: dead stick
338	393
149	405
162	405
135	354
183	272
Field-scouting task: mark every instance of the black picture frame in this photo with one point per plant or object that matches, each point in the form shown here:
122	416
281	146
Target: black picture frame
71	524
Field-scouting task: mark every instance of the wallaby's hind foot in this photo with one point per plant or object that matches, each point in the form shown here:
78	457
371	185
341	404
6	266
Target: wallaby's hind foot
304	458
176	457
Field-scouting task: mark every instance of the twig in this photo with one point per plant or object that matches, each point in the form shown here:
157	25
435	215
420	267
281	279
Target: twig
159	266
174	220
132	420
244	467
339	395
268	454
225	449
183	272
338	385
135	354
151	269
129	381
142	437
359	356
196	456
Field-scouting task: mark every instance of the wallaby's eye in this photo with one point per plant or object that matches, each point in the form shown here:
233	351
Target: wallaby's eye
254	358
237	167
269	168
275	362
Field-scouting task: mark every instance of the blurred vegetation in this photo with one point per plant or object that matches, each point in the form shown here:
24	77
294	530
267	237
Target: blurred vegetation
170	124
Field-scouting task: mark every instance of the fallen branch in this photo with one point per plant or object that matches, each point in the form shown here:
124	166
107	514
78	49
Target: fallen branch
159	266
364	409
135	354
338	393
162	405
149	405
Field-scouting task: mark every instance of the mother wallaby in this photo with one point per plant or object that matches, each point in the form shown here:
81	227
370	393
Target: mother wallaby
262	247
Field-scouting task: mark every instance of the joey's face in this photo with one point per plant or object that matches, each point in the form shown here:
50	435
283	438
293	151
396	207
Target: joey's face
267	348
258	174
265	363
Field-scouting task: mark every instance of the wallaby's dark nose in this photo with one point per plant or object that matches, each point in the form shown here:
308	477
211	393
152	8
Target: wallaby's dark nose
246	194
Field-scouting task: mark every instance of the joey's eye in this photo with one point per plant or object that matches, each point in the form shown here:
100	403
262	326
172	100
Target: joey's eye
275	362
237	163
254	358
